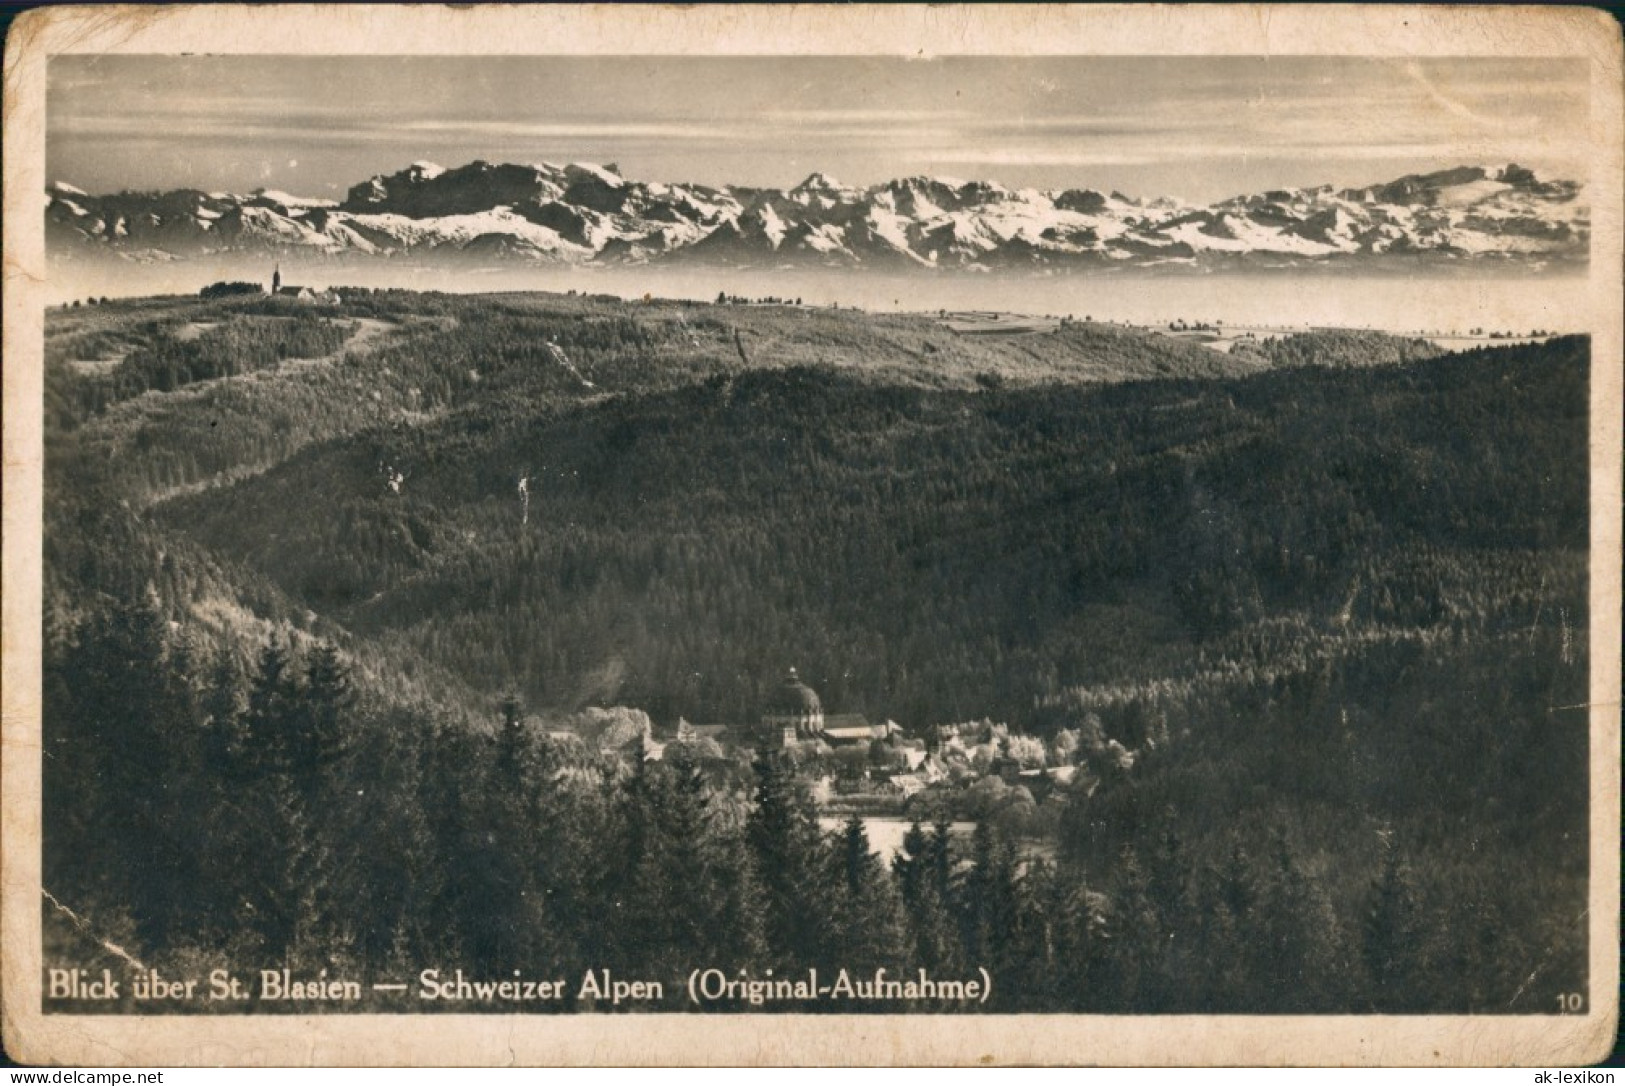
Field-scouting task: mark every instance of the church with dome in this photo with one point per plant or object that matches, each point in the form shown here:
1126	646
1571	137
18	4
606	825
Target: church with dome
794	714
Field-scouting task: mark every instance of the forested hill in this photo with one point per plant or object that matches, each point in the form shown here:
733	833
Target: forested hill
151	400
1323	594
926	555
931	526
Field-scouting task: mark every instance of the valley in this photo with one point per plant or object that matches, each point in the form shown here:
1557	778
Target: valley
1274	647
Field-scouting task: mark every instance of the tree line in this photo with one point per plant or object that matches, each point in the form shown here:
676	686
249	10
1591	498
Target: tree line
200	814
167	361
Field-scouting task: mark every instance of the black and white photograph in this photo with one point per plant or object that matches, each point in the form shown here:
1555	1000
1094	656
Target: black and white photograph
665	535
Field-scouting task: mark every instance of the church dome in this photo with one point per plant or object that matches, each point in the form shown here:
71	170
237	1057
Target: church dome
793	711
794	698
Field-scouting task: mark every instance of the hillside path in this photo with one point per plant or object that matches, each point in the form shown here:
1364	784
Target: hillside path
368	331
367	338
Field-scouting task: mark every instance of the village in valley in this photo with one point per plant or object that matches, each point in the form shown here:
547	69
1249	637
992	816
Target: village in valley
795	634
880	772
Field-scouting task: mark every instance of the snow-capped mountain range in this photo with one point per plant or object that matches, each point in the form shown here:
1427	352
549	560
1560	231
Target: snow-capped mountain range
590	214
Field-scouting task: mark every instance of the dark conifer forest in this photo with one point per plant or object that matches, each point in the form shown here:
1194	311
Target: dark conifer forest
333	593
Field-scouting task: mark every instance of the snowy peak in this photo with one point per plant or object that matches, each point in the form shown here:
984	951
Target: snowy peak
423	190
924	196
279	199
818	182
823	192
585	172
1087	201
589	213
1461	186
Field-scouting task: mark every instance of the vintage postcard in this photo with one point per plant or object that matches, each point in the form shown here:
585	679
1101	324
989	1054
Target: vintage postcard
812	535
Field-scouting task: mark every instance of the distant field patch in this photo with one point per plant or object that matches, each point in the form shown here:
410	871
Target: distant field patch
193	329
1467	343
988	323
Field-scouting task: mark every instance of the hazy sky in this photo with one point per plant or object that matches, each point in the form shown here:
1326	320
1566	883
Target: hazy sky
1197	128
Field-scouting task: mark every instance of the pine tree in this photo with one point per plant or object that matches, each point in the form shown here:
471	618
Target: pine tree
1032	955
866	927
386	873
124	747
329	702
276	833
223	775
987	905
1080	974
223	706
323	731
512	746
738	935
1231	934
923	869
909	865
73	812
151	745
510	844
689	896
1301	940
1138	938
1392	933
459	916
786	850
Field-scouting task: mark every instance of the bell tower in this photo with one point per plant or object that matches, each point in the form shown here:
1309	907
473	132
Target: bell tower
276	280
